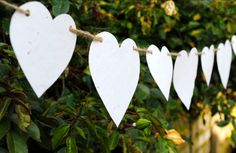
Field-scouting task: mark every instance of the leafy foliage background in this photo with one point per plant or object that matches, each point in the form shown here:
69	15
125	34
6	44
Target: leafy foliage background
71	118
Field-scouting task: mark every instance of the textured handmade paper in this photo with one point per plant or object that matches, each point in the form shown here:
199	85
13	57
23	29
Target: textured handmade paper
115	71
207	61
43	46
224	59
161	67
185	72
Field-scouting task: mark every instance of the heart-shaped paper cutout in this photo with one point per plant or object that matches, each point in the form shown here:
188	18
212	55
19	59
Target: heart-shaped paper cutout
207	60
185	72
43	46
224	59
161	67
115	71
233	41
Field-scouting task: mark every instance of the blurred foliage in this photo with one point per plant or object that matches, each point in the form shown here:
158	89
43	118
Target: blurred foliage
71	118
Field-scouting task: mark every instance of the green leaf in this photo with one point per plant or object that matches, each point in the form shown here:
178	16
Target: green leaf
223	123
143	123
4	107
144	139
9	52
148	131
34	132
4	128
59	134
156	123
113	141
60	7
174	42
87	71
2	44
16	143
143	92
233	136
5	25
2	90
80	131
171	147
68	109
71	146
162	146
2	150
62	150
193	24
4	69
124	146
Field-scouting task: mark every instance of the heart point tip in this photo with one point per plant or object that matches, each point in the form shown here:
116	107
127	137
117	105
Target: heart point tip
166	97
39	94
187	106
117	122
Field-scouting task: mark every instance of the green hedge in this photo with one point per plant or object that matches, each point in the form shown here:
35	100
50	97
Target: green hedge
71	117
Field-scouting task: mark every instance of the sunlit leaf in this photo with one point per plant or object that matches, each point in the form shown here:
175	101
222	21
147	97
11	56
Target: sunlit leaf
113	140
59	134
71	146
23	117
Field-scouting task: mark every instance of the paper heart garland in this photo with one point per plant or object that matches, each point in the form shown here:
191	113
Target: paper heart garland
43	46
185	72
233	41
115	71
161	67
224	59
207	61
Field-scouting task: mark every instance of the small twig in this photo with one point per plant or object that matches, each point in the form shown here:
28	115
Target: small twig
17	8
86	34
131	113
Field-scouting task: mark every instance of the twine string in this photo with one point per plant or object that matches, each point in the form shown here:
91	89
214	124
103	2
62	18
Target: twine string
202	53
142	50
198	53
17	8
86	34
99	39
173	54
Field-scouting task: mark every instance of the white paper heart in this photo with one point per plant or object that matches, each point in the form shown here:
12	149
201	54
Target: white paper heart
43	46
185	72
161	67
207	61
224	59
233	41
115	71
